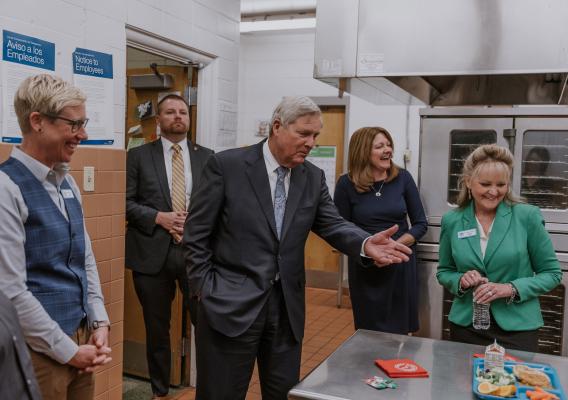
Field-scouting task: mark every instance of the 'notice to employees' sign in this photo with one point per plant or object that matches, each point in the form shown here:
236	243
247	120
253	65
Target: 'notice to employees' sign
92	63
28	50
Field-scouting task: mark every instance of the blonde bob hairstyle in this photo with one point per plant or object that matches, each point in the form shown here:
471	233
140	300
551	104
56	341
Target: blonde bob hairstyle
360	148
46	94
486	157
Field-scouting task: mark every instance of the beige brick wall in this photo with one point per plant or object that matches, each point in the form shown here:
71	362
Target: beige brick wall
104	216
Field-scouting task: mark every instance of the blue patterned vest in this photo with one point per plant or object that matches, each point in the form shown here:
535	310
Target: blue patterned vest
55	249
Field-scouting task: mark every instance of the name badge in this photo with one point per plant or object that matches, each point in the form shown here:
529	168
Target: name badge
67	193
467	233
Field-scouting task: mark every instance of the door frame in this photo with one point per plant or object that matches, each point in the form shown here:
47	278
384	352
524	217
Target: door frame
207	99
207	70
325	101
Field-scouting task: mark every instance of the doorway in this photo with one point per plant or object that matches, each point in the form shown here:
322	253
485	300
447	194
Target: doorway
321	260
149	78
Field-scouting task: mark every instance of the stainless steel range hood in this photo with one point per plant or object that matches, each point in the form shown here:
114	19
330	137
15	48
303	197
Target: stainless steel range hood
445	52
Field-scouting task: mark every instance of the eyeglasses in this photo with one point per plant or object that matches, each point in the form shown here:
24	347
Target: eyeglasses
75	124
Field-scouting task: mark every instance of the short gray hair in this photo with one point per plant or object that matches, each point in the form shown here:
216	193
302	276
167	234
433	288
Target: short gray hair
46	94
292	108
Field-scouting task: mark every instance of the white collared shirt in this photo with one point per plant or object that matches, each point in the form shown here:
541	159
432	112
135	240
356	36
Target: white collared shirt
168	154
483	238
271	166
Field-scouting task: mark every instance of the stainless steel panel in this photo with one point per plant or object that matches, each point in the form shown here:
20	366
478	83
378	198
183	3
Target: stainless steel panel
559	240
552	137
429	300
436	146
434	173
427	251
379	91
449	365
433	233
445	52
336	38
488	111
565	315
447	37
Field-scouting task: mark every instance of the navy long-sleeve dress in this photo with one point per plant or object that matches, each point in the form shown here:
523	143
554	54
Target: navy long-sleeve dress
384	299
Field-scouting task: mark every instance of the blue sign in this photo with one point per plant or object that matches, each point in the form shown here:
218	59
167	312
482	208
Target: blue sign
92	63
13	140
22	49
17	140
98	141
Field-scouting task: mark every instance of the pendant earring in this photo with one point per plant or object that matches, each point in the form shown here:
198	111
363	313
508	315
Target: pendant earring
469	194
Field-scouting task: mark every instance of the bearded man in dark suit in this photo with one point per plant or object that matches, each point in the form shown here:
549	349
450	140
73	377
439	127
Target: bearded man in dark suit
244	242
161	176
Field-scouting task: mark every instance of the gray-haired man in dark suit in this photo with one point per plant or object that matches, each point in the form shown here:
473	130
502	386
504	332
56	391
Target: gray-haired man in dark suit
245	238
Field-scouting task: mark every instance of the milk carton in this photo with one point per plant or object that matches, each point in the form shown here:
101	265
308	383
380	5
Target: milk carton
494	356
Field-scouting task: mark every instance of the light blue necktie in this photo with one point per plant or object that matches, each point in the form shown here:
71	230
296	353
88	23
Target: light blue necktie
280	198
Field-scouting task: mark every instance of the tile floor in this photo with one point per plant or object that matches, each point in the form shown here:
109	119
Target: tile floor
326	328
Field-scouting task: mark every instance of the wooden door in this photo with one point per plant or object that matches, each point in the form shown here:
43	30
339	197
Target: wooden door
318	254
134	334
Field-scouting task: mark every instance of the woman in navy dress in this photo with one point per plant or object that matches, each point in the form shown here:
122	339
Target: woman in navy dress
375	194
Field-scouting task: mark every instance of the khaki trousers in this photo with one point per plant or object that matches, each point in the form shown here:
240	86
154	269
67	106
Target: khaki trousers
62	381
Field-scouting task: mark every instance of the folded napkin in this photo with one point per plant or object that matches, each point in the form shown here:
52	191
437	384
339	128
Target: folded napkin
402	368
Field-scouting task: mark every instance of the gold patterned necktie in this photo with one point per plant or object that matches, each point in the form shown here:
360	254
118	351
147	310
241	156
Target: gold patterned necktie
178	180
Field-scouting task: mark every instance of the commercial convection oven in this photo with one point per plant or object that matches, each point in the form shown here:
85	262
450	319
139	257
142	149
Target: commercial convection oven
538	138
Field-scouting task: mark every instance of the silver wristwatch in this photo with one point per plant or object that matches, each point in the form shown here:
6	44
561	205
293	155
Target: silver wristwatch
100	324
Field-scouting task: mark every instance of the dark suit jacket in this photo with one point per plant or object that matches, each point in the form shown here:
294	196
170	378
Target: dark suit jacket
232	249
147	192
17	379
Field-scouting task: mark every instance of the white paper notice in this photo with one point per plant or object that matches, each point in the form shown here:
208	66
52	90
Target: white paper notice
325	157
93	75
22	56
370	64
12	76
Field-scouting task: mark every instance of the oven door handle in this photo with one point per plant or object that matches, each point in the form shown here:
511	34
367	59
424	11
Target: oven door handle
509	135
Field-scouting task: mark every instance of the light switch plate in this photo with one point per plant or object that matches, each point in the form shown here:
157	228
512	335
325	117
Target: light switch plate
89	179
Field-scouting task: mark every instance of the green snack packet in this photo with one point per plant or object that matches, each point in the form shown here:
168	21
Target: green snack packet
381	383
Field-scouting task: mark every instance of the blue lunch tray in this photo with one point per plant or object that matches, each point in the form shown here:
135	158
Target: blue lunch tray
521	389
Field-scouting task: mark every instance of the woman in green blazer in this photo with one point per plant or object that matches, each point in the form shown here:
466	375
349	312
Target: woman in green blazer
495	250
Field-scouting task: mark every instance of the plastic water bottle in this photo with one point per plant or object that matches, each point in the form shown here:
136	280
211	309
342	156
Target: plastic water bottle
481	316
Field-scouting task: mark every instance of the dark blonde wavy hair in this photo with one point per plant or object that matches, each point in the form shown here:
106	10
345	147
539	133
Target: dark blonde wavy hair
359	162
486	156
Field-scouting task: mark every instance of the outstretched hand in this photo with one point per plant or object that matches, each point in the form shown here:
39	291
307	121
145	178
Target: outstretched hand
385	251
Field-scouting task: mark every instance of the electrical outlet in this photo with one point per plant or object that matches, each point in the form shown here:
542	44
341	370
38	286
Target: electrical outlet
89	179
407	155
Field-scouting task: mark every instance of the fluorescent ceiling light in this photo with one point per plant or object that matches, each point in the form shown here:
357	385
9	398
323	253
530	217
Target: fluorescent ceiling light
278	25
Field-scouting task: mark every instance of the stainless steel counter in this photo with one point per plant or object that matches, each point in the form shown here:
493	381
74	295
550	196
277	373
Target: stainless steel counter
341	375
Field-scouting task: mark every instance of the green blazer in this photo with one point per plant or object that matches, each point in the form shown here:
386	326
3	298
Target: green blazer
519	251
